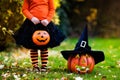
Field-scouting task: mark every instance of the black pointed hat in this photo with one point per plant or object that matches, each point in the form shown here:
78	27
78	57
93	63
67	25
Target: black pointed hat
82	47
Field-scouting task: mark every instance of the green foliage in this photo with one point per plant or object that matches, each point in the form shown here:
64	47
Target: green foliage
10	20
63	16
101	15
108	69
1	59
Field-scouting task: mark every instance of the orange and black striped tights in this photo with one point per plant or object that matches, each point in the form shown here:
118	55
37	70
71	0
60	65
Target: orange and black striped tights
34	58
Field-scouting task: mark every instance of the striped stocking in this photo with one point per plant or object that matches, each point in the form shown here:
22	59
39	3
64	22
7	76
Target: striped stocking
34	57
44	58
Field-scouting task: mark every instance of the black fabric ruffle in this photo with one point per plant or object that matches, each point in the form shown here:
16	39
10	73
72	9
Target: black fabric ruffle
23	36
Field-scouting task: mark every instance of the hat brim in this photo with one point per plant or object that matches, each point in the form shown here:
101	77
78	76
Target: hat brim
97	55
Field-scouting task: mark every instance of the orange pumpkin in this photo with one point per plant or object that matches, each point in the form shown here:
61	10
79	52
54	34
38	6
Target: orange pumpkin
41	37
81	64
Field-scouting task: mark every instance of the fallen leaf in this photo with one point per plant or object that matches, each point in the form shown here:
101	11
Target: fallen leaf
104	78
16	77
95	76
64	78
24	75
114	76
78	78
5	75
2	66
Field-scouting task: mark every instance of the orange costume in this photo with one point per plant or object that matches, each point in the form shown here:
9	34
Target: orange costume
39	14
42	9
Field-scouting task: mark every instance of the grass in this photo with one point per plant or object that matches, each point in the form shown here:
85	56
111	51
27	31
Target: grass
18	66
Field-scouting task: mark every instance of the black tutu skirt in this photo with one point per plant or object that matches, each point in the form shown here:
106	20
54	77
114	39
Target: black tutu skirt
23	36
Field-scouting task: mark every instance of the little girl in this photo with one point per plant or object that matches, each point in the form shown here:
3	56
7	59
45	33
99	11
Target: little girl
39	14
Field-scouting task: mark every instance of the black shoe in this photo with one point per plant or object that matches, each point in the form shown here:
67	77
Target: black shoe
36	69
44	69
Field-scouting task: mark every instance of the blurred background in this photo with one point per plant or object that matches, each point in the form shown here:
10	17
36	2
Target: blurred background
101	16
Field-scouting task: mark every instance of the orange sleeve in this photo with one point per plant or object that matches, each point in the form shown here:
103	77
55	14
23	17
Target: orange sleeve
25	9
51	10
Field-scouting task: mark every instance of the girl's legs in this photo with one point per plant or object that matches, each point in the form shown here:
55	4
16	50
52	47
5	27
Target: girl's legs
34	58
44	59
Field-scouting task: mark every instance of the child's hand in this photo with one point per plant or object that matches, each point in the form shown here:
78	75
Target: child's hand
45	22
35	20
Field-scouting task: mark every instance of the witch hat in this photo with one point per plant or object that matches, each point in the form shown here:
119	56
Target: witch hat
82	47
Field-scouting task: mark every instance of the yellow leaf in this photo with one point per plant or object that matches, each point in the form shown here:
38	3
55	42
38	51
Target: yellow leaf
77	56
9	12
57	3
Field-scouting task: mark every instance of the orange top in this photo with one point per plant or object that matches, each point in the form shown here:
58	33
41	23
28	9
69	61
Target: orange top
42	9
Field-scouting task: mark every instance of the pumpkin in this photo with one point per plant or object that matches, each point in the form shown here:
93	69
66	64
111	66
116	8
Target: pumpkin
81	64
41	37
